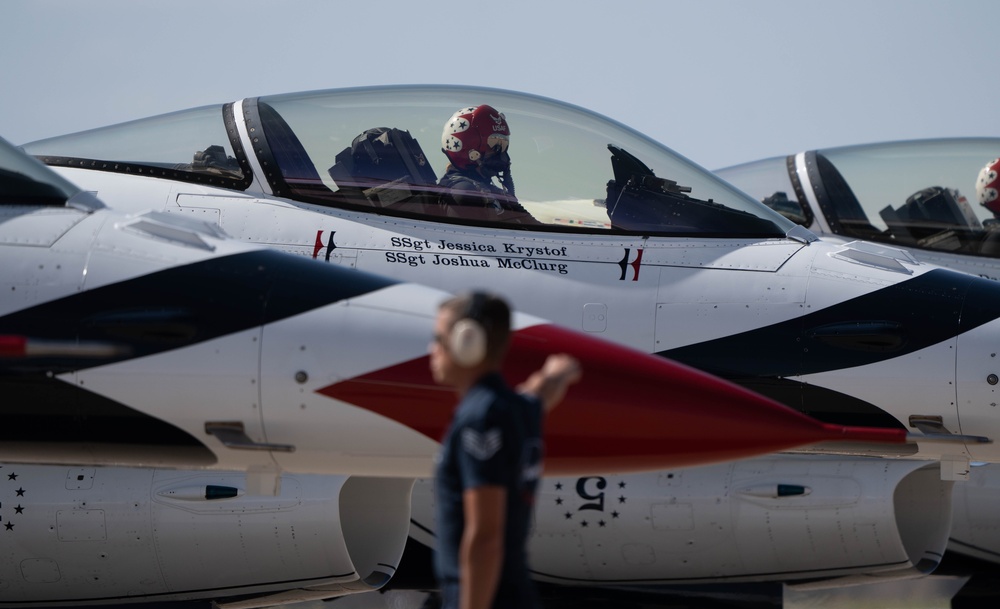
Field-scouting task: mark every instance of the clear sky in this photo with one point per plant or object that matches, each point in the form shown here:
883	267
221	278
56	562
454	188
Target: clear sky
719	81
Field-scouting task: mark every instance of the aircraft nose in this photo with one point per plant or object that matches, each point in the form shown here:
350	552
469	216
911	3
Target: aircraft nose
631	411
630	405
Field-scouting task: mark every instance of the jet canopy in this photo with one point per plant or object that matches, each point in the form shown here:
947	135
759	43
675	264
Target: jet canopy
380	150
25	181
915	194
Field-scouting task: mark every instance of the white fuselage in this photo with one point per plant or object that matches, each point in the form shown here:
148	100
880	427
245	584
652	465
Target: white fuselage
659	295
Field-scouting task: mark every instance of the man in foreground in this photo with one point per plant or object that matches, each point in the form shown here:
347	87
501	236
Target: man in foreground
491	456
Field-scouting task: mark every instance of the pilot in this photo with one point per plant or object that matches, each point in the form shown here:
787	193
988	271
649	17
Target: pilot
988	193
988	187
475	140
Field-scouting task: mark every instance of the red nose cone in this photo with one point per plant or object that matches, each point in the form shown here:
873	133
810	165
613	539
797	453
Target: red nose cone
630	412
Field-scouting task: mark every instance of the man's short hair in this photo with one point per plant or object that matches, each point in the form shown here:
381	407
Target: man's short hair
488	310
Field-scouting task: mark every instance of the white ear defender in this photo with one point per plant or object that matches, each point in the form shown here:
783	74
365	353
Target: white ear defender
467	343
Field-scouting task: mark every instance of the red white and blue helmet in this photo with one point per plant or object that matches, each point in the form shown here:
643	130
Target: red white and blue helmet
471	132
988	186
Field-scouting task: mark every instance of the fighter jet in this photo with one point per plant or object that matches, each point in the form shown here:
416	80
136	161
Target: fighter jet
592	226
935	198
155	340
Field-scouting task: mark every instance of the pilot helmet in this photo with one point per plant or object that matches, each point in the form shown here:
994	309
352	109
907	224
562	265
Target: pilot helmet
988	186
472	132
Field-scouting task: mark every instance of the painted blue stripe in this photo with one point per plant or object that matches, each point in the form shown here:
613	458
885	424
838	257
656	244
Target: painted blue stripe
185	305
881	325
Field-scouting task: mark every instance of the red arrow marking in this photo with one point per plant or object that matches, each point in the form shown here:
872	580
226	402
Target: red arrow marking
635	265
319	243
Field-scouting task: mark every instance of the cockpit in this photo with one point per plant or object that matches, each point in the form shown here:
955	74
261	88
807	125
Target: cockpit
24	181
379	150
909	194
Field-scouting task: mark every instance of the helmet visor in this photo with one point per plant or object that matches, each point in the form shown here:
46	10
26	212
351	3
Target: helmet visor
498	142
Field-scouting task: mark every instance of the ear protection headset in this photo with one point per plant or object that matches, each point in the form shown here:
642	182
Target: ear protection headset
467	342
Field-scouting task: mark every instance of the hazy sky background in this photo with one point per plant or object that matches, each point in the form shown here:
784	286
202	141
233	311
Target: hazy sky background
721	82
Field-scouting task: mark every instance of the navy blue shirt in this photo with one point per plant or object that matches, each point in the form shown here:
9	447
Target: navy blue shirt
494	439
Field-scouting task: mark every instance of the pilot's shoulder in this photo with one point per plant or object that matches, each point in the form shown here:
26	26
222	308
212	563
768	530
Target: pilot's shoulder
457	181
